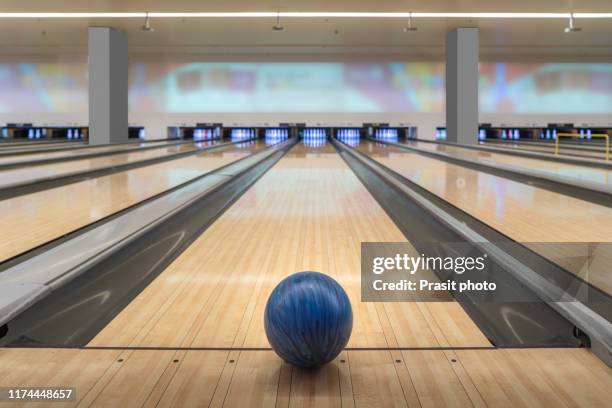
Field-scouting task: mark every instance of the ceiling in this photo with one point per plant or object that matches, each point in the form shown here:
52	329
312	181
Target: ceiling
200	38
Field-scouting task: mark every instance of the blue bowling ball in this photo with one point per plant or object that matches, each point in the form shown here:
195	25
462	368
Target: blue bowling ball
308	319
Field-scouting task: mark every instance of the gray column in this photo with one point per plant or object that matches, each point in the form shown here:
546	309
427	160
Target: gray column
462	86
108	86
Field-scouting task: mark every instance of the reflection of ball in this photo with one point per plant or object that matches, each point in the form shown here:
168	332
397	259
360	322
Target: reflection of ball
308	319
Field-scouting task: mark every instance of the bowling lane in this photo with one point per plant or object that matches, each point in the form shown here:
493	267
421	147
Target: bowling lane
34	173
40	142
592	174
564	150
71	152
203	378
31	220
524	213
309	212
33	147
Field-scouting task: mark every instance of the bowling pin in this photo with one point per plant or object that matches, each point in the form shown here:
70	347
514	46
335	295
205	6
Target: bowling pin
588	134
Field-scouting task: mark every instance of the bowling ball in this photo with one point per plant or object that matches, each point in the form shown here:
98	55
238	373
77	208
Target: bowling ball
308	319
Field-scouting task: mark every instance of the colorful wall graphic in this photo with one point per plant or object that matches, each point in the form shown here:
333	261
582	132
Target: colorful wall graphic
391	87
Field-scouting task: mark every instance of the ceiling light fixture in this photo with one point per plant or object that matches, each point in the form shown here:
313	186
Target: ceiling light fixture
409	27
571	28
278	26
309	15
147	25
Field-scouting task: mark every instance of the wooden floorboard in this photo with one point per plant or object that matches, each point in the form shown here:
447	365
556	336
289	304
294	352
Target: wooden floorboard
213	295
34	219
308	213
373	378
577	172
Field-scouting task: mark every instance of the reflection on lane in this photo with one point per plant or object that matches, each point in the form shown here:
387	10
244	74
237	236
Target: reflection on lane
31	220
564	149
591	174
33	173
522	212
70	153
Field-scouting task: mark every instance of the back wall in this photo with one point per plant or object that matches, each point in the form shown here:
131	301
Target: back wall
325	93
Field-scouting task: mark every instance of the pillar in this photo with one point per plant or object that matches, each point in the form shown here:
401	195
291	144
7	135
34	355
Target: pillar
462	86
108	86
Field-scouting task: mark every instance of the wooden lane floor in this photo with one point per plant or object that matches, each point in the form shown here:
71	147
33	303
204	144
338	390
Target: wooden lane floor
71	152
32	148
33	173
34	219
308	212
524	213
8	143
592	174
423	378
564	150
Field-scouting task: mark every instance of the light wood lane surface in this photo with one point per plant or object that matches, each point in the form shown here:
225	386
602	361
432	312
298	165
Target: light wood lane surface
320	213
27	150
71	153
592	174
564	150
15	143
31	220
310	212
524	213
567	142
414	378
33	173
